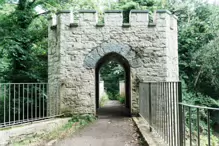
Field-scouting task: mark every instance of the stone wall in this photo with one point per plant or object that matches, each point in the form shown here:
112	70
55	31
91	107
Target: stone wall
122	88
30	131
101	89
75	47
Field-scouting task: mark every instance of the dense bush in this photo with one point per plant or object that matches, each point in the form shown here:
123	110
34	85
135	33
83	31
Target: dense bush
121	98
112	73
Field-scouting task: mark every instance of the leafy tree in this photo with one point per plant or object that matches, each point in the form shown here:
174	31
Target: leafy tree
198	53
18	39
198	27
111	73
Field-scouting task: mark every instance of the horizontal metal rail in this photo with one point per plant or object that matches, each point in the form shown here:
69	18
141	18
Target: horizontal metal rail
23	83
27	121
27	102
177	123
192	131
200	107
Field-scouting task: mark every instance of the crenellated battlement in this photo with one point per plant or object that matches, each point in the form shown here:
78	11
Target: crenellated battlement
161	18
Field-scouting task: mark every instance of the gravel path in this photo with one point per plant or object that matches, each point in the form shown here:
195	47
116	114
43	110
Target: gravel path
113	128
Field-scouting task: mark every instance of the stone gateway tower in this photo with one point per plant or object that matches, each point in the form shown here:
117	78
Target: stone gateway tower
77	50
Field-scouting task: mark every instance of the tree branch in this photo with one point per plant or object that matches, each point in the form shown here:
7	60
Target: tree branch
199	73
31	3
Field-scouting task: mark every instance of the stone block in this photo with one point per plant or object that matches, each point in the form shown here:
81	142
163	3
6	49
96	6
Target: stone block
113	18
88	17
139	18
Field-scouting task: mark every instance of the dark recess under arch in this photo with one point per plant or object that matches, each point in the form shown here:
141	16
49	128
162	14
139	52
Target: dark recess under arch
125	64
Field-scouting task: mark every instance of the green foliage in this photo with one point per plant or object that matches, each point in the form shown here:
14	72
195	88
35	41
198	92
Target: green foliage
204	140
198	98
198	29
198	54
23	40
120	98
128	5
111	96
103	100
82	119
112	73
18	42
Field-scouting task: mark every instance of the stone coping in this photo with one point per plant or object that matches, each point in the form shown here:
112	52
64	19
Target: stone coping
63	11
87	11
139	11
164	11
118	11
31	129
113	11
151	138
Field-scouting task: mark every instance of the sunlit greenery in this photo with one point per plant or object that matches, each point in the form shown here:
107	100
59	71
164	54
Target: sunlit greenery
111	73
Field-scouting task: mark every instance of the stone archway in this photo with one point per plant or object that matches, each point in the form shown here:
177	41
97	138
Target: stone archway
124	50
125	64
121	53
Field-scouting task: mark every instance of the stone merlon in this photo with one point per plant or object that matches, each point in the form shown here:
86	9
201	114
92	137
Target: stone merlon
115	18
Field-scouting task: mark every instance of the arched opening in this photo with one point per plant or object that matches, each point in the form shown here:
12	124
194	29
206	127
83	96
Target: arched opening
125	64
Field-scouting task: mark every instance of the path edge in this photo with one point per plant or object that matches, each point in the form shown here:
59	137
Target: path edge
149	138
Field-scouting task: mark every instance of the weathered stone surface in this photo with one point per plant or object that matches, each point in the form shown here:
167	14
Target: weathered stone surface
89	62
138	18
151	53
10	136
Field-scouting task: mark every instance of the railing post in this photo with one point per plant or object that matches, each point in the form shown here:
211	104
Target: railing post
180	132
150	117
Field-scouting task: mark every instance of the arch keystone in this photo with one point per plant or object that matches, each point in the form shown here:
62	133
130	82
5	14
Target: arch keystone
108	48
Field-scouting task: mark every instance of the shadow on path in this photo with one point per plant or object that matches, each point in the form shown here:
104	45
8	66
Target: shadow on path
113	109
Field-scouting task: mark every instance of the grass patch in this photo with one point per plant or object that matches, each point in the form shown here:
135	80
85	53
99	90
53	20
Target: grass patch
103	100
120	98
75	123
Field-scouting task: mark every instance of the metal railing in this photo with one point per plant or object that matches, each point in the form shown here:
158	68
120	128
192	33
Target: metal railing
196	125
159	107
27	102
